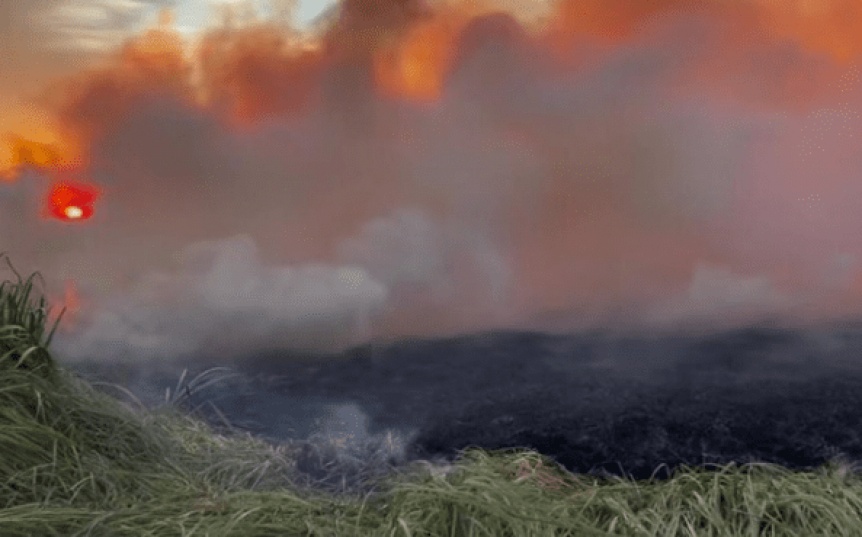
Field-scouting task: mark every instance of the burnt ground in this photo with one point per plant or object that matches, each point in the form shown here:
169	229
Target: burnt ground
595	403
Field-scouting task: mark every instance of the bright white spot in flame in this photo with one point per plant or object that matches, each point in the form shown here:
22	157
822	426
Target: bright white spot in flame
73	212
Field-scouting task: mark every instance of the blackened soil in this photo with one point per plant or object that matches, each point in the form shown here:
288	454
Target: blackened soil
595	403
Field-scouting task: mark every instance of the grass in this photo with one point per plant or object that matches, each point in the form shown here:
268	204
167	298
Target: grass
75	461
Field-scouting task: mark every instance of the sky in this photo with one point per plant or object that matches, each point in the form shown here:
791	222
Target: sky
408	168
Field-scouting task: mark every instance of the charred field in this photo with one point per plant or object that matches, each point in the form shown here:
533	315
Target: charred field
598	403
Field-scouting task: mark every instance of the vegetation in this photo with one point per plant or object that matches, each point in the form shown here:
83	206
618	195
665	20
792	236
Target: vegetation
74	461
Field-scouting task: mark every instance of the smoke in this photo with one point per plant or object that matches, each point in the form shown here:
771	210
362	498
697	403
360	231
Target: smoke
427	169
223	298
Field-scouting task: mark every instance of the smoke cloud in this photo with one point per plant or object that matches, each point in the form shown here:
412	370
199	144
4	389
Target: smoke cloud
418	169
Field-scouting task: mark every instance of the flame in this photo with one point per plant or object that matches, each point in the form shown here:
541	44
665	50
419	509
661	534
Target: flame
416	67
65	201
71	301
70	201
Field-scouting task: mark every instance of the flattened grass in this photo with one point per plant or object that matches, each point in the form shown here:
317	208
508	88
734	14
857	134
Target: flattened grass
75	462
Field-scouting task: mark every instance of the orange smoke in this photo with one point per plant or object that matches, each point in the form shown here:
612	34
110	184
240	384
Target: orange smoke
256	72
26	153
65	201
152	64
416	65
33	153
612	20
576	172
823	26
416	62
248	74
831	26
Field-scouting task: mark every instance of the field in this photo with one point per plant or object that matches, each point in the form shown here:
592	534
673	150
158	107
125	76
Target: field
77	461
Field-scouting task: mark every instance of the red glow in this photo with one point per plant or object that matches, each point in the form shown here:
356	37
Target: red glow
68	201
71	301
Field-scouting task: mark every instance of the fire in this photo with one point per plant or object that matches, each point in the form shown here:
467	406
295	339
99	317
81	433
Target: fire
68	201
415	68
65	201
257	70
73	212
71	301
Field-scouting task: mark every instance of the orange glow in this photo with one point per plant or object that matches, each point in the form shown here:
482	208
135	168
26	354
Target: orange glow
830	27
71	301
416	67
599	100
258	70
153	63
160	50
250	73
827	26
612	20
29	152
255	72
21	153
166	18
68	201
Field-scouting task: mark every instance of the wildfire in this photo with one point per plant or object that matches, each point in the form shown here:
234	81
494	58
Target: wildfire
65	201
68	201
254	72
416	67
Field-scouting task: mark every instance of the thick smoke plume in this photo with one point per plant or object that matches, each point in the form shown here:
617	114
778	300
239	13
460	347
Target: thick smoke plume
419	168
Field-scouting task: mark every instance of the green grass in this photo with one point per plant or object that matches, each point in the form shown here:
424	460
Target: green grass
76	461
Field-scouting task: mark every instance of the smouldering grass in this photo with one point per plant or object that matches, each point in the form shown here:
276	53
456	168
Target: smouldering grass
75	462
